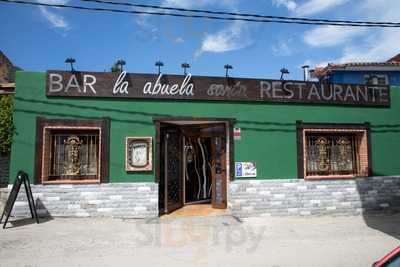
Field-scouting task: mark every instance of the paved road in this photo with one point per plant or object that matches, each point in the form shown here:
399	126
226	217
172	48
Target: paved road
211	241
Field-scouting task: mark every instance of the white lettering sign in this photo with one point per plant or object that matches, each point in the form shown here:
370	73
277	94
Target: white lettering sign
121	86
158	88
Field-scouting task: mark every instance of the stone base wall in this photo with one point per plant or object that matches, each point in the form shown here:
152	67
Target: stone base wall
3	198
4	169
325	197
125	200
246	198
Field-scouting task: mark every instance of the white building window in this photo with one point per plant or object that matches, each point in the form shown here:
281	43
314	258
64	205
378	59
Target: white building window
376	79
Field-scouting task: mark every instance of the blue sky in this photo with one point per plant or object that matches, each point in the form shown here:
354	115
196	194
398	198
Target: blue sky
41	38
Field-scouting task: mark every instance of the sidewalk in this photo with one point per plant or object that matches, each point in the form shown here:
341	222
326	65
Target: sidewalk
201	241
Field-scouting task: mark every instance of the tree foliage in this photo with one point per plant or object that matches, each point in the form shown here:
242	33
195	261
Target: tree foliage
115	68
6	123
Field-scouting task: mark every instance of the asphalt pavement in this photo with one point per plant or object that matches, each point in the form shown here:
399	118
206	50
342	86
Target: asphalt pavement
200	241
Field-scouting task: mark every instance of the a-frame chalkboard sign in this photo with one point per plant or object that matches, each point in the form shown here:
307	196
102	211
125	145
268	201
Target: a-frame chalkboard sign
22	177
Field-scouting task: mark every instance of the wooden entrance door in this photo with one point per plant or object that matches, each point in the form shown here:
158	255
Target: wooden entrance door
219	177
171	179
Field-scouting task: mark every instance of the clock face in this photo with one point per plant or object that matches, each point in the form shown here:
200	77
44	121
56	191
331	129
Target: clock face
139	154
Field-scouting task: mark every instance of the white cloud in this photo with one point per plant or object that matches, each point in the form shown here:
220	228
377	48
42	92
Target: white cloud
325	36
289	4
147	23
179	40
197	3
231	38
284	47
379	44
235	37
383	46
309	7
317	6
56	20
53	2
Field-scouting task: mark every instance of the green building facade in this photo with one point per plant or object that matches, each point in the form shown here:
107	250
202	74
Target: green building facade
269	136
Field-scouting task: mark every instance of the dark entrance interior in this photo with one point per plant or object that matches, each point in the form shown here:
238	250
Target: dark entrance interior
197	169
192	158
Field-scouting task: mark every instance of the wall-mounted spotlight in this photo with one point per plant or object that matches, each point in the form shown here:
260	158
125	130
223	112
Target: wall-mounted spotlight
227	67
283	72
120	64
306	73
70	61
159	64
185	66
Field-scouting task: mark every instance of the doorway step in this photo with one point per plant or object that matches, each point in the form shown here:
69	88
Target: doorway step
197	210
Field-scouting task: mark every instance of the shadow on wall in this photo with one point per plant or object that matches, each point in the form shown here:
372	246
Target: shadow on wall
250	125
380	203
261	126
4	170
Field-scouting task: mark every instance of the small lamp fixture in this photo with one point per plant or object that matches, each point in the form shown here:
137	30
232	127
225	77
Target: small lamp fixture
305	72
159	64
227	67
283	72
120	64
70	61
185	66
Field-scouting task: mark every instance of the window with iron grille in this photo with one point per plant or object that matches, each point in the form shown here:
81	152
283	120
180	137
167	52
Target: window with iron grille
73	155
72	151
333	150
330	154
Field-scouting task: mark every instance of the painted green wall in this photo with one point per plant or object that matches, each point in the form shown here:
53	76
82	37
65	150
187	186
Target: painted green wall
268	130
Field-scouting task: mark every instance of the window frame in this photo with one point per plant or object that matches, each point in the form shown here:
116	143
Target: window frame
367	77
306	128
43	131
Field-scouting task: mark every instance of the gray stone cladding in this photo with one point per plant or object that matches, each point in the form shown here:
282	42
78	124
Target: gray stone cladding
299	197
122	200
294	197
3	198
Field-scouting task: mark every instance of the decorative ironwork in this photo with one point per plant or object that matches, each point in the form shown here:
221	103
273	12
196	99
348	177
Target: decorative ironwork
73	147
173	172
330	154
345	161
218	170
73	156
174	168
323	161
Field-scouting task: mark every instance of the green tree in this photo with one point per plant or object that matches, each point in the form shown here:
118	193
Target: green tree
6	123
115	68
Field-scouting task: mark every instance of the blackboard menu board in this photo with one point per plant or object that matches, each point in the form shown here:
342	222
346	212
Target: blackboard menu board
22	177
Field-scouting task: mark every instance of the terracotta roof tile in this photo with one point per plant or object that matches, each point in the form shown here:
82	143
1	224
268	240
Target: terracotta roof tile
396	58
322	71
6	69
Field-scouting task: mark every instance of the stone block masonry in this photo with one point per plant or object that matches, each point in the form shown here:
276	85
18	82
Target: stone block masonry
122	200
294	197
3	198
323	197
